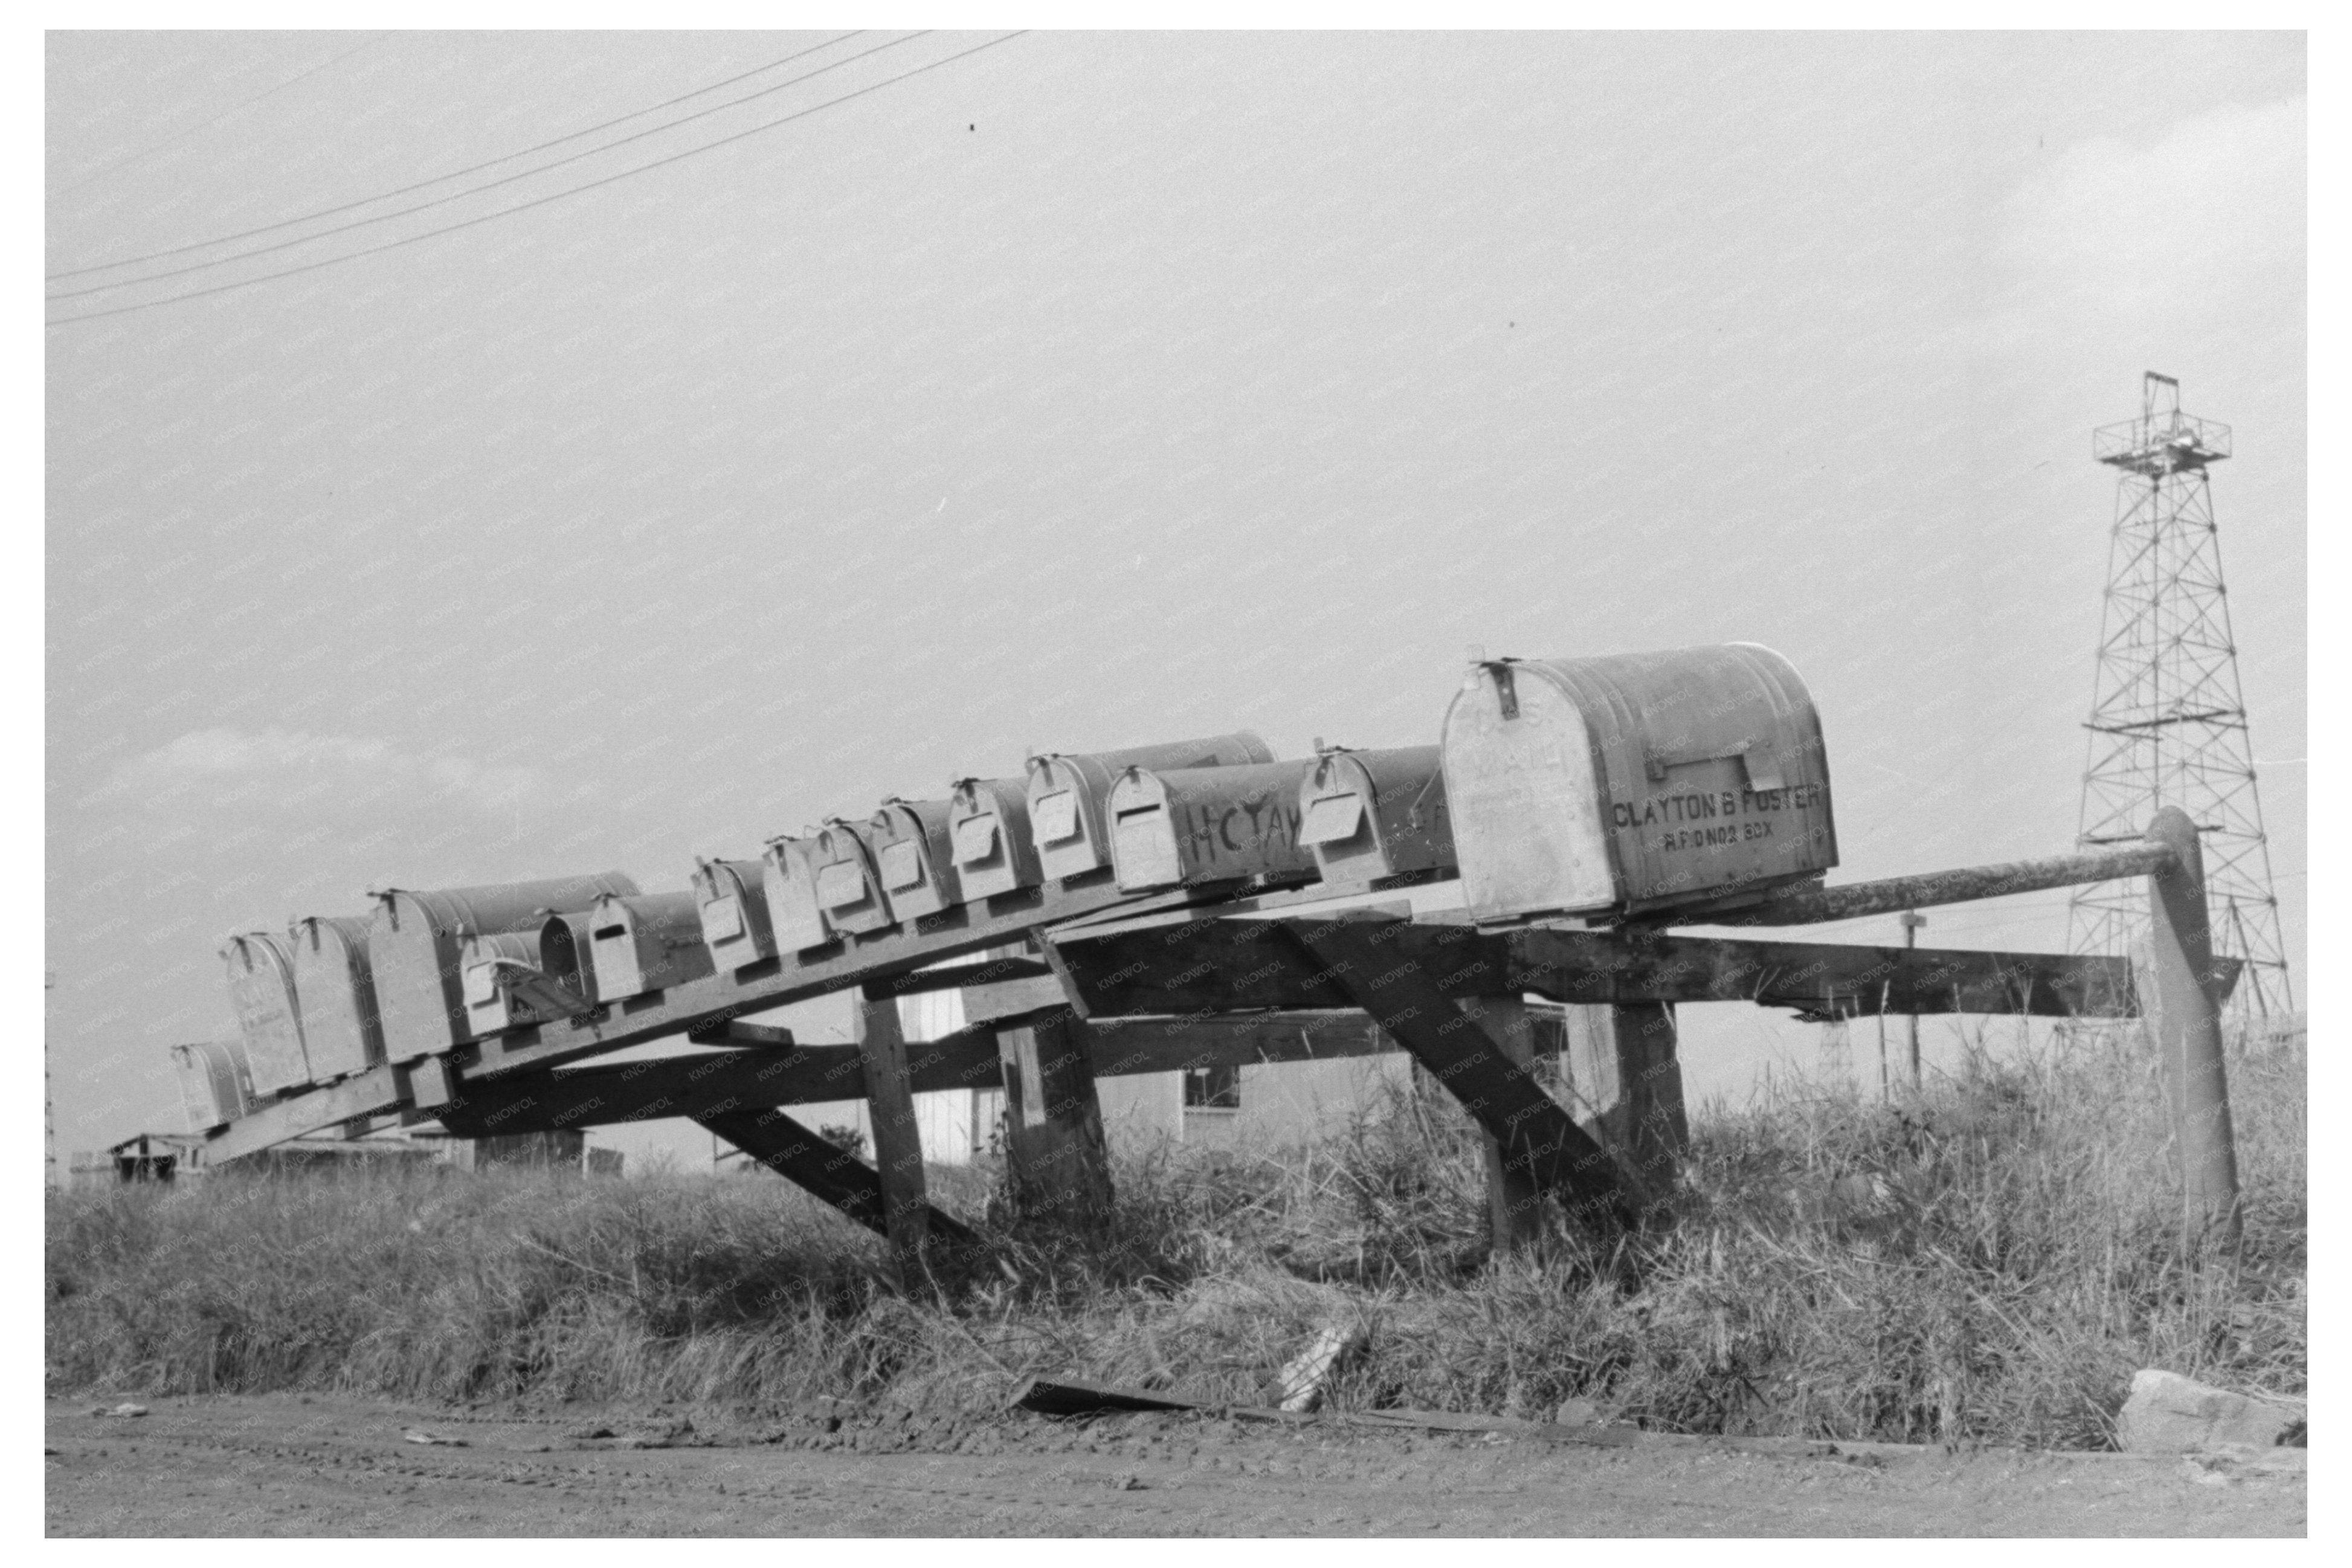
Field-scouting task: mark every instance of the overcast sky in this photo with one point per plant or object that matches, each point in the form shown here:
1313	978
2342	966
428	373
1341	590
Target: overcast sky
1096	389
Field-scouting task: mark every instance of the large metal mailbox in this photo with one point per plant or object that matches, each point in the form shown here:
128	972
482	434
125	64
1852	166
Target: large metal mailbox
788	876
848	882
216	1085
734	910
261	990
1066	794
334	994
1689	779
1371	816
988	827
914	857
649	943
1188	825
413	950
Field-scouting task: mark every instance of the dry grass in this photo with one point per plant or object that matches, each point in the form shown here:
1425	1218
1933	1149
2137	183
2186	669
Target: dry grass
1987	1263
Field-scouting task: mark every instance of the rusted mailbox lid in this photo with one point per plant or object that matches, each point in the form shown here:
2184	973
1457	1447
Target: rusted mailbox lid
1209	824
1695	778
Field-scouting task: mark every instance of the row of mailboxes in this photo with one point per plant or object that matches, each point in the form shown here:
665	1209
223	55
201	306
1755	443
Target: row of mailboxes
1688	780
337	994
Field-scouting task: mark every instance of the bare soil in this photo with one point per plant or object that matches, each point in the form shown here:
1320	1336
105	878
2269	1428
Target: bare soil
290	1465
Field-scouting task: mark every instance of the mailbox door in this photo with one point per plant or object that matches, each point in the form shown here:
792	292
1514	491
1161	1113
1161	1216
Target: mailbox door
1372	815
336	993
648	944
788	876
915	860
1525	798
489	1008
261	990
988	832
733	905
848	884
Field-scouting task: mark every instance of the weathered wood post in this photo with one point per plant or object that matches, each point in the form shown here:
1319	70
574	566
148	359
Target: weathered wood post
897	1139
1059	1164
2177	998
1515	1209
1625	1080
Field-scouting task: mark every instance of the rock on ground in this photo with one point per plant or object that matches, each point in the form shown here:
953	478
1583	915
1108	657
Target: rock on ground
2170	1414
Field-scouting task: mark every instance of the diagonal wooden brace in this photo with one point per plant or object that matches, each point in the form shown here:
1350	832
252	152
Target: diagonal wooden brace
1536	1135
819	1166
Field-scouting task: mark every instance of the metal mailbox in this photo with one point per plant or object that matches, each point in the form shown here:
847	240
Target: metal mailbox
649	943
1685	780
788	876
492	1003
988	830
216	1086
1187	825
566	956
848	882
261	990
413	950
1371	816
1066	794
334	993
734	909
915	858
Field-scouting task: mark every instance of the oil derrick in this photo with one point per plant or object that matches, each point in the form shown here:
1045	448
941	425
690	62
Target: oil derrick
2168	723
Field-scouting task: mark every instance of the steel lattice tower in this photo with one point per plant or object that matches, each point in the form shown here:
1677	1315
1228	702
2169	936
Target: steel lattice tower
2167	722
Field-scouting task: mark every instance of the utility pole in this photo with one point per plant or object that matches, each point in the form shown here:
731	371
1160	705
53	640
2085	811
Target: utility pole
1912	921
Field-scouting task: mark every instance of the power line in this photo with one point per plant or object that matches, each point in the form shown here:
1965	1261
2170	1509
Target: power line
537	201
444	179
105	169
476	190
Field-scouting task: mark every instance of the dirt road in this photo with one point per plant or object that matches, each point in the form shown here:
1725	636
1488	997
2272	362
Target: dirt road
291	1466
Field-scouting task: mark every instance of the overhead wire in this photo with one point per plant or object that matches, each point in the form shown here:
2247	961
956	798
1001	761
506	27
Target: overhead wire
453	174
537	200
476	190
105	169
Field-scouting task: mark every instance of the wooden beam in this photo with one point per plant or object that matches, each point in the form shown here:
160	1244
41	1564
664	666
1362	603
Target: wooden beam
742	1036
1226	965
687	1085
1409	991
1811	906
820	1167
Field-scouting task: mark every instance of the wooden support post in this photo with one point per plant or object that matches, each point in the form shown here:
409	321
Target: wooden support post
1059	1166
1371	963
1625	1081
2176	993
1514	1218
897	1138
